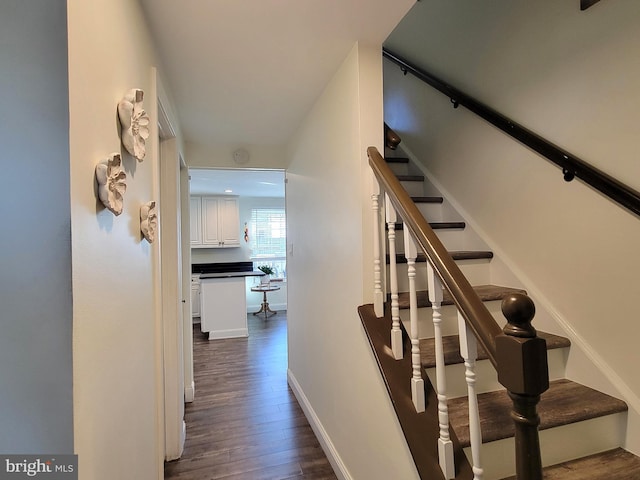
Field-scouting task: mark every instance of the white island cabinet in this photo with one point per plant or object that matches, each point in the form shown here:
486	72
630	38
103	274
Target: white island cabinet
223	307
195	296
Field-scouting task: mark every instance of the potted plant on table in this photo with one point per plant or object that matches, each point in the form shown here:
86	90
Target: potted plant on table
268	271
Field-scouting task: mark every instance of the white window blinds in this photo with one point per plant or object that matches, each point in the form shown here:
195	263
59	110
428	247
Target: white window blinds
268	233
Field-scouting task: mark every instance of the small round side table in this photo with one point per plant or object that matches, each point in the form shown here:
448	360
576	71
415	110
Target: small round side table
264	288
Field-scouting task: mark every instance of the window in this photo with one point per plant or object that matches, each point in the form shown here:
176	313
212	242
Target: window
269	239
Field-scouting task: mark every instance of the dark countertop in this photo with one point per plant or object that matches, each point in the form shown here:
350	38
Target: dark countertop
225	270
253	273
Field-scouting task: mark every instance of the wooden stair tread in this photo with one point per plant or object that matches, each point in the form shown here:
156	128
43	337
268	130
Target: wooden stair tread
451	347
456	255
410	178
436	225
487	293
564	403
427	199
471	254
616	463
396	159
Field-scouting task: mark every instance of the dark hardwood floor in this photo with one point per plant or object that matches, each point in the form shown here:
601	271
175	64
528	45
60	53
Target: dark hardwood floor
245	423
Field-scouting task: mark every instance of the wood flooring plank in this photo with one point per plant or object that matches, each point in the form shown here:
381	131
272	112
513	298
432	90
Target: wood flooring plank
250	467
294	444
276	472
245	423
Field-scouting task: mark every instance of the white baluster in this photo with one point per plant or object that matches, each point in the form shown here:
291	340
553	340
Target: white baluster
396	332
469	352
445	445
378	295
417	383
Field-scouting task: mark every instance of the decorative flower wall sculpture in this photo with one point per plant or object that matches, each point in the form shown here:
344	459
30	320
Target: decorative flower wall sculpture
111	183
135	123
148	221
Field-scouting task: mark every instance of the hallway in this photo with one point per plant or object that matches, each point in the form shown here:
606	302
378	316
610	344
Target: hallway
245	423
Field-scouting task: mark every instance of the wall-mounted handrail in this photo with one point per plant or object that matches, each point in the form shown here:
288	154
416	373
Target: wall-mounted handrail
571	165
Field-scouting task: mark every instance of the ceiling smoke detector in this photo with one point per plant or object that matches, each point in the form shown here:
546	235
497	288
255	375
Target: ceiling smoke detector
241	156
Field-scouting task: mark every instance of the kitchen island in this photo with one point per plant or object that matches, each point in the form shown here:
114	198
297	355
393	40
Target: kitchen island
223	298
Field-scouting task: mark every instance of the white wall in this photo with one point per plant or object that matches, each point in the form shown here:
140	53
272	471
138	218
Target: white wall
36	404
116	335
221	155
572	77
329	222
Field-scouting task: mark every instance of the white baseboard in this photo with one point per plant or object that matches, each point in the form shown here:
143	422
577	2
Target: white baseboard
183	437
173	451
190	392
232	333
325	442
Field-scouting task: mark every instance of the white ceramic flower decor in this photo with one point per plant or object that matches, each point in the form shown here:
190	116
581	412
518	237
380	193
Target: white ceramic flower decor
134	122
111	183
148	221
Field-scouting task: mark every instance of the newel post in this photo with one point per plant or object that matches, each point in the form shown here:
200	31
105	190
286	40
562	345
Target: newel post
523	370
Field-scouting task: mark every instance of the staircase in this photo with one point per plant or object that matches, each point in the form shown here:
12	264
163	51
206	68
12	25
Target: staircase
581	429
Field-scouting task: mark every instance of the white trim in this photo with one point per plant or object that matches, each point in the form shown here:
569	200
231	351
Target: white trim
165	128
157	261
330	451
187	321
190	392
231	333
171	285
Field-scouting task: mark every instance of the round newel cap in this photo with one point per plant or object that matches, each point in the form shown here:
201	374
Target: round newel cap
519	310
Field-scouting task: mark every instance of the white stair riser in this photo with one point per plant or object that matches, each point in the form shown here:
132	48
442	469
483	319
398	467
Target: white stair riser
452	239
399	168
431	211
476	271
449	325
487	377
415	189
557	445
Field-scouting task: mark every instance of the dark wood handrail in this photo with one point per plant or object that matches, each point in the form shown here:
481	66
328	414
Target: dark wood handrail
516	352
571	165
391	138
469	304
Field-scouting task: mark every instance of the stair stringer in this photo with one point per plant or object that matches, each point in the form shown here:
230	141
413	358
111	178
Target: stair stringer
584	364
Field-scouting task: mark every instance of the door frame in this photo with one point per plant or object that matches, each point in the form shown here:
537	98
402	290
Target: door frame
170	289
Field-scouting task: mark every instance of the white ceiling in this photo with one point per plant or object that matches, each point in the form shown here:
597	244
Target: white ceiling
248	71
245	183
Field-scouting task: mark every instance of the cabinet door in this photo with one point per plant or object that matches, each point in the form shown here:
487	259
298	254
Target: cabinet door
211	217
195	300
195	219
229	222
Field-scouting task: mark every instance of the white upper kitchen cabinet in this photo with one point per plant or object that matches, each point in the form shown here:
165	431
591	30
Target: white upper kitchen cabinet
215	222
195	215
